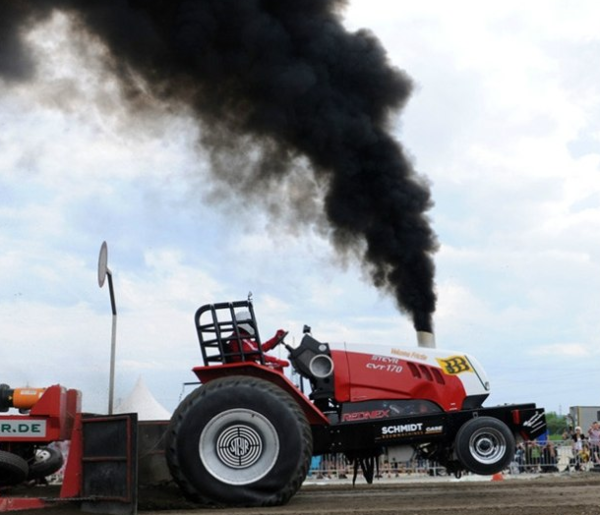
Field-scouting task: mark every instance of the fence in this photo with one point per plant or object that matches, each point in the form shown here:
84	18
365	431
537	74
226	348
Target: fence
530	458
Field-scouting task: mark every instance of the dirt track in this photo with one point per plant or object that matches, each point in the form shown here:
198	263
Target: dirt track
560	494
557	495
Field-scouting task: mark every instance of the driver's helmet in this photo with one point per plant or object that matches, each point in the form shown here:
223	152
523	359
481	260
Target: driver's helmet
244	322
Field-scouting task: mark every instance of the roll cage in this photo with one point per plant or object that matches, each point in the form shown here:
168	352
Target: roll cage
219	333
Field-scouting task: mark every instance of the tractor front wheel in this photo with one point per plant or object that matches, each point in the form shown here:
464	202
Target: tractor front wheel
484	445
239	441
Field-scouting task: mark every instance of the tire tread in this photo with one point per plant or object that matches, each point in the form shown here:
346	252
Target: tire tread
262	387
15	465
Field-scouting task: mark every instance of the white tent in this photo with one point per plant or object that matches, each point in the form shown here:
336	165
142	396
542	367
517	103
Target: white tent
142	402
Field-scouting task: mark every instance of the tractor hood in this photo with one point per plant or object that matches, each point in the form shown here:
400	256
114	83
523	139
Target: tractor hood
451	379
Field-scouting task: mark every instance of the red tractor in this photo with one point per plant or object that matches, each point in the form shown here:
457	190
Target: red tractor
246	436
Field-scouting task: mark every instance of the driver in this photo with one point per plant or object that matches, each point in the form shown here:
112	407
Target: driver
249	344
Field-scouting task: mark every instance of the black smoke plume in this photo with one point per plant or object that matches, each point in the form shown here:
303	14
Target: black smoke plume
288	77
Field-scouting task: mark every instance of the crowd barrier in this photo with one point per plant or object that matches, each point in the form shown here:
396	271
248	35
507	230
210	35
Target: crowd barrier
530	458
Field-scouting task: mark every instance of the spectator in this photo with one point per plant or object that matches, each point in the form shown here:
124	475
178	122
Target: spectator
549	458
534	456
577	446
395	467
585	455
520	458
568	433
594	442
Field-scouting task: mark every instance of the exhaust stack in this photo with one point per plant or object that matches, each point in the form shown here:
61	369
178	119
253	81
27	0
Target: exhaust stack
426	339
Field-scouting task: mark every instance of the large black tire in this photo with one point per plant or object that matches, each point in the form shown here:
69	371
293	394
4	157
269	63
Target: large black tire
13	469
239	441
485	445
47	461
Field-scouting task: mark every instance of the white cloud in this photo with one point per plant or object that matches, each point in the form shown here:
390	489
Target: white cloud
504	121
571	350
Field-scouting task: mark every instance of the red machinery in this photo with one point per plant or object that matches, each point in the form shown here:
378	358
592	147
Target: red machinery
101	468
45	415
246	436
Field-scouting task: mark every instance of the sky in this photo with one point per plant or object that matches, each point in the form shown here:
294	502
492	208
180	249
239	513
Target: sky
503	123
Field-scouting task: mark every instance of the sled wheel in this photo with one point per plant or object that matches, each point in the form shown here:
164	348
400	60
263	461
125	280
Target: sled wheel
13	469
484	445
47	461
239	441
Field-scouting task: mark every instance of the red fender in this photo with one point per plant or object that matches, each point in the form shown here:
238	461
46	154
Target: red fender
249	368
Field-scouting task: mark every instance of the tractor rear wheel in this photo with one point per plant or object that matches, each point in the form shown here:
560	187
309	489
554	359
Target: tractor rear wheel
484	445
239	441
13	469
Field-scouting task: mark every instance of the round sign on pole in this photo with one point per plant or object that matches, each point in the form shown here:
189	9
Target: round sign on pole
102	264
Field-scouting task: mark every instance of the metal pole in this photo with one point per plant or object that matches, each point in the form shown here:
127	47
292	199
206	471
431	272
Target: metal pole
113	343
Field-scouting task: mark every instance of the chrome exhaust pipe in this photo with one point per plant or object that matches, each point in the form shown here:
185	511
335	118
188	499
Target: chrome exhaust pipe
426	339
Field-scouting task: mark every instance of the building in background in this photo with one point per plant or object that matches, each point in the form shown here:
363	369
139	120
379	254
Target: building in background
583	416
